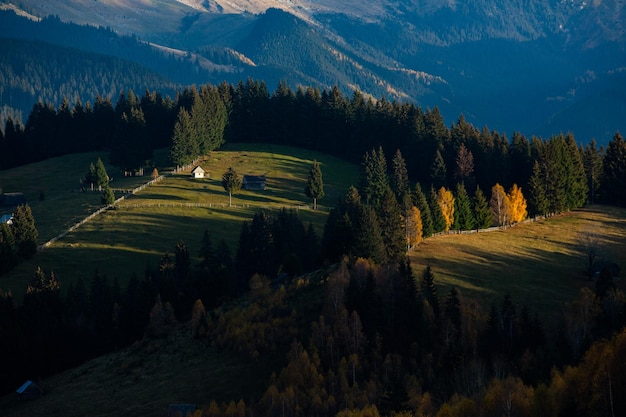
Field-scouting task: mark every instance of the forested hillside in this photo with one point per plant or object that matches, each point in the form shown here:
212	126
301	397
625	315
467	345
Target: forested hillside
360	330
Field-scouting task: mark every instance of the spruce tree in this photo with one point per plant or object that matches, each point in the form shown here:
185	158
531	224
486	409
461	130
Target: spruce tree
464	218
399	175
107	197
368	236
185	147
101	176
592	161
24	231
439	222
438	171
91	177
315	185
538	199
392	227
482	214
614	180
421	202
374	180
429	289
8	249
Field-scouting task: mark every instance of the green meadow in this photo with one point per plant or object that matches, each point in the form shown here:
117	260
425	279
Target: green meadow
540	264
133	237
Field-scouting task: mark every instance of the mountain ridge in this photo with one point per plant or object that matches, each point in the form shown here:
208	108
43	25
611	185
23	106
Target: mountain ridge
404	50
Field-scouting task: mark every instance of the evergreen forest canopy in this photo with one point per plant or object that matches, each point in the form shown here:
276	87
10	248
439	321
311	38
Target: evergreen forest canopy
379	340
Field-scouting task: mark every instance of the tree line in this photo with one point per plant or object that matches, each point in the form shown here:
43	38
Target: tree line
197	120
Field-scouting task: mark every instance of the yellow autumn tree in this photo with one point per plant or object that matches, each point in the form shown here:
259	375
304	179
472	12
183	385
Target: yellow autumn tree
500	204
445	199
413	227
517	208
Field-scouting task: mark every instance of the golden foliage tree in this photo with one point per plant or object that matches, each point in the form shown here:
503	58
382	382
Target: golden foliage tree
445	200
413	227
500	204
517	205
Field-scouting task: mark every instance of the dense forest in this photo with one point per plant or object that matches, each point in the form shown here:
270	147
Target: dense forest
379	338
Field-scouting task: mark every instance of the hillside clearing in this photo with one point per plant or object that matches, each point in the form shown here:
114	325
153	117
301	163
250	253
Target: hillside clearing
133	237
540	264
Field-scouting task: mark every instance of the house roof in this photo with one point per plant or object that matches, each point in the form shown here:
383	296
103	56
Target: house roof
5	218
26	386
254	178
197	169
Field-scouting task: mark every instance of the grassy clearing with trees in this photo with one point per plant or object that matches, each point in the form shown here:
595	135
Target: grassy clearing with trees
128	240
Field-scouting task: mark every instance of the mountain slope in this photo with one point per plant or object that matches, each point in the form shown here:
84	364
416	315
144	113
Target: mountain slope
471	57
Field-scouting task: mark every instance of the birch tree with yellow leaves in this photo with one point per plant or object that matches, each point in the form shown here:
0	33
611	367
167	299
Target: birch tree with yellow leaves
445	199
500	204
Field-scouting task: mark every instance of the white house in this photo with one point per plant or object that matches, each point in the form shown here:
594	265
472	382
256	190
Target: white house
197	172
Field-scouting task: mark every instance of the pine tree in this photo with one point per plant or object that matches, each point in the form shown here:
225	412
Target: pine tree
438	170
538	200
482	212
374	180
24	231
185	147
592	161
368	237
231	183
102	178
420	201
399	175
463	216
439	221
464	164
206	252
315	185
91	177
429	289
614	162
107	197
8	249
392	227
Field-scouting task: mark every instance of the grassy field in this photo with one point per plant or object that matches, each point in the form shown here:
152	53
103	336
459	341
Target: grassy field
121	242
143	379
540	264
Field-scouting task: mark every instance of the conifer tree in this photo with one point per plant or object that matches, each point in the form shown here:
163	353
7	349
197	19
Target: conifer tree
392	227
429	289
231	183
438	170
368	237
24	231
185	147
315	185
464	164
421	202
439	221
90	177
538	199
592	161
482	212
374	180
101	176
107	197
399	175
8	249
614	162
206	252
463	216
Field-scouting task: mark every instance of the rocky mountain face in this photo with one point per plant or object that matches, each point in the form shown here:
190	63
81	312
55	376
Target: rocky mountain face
535	66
